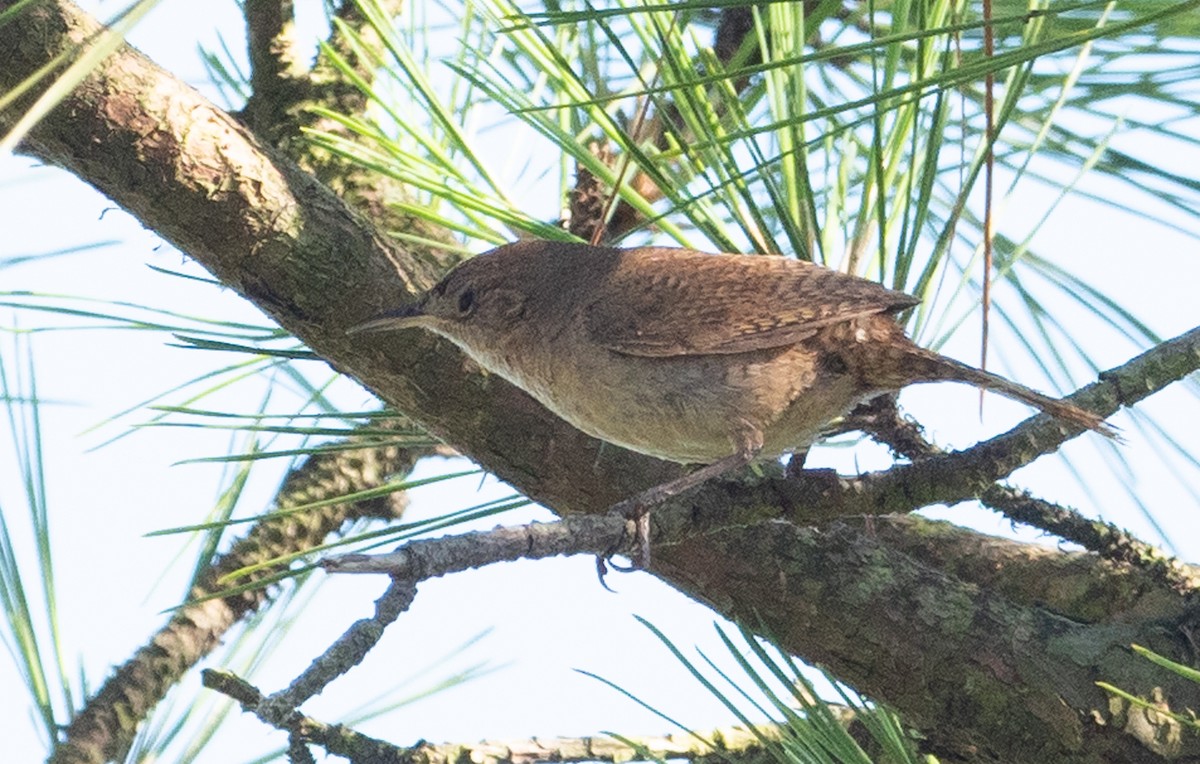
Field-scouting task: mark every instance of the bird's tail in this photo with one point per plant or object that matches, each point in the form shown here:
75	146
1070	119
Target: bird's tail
931	367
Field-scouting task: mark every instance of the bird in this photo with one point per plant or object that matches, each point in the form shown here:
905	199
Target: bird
697	358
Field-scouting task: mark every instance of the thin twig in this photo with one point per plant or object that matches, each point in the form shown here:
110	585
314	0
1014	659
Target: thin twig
343	655
430	558
334	738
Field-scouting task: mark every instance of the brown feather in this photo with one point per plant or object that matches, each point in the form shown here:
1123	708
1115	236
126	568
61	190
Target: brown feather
678	303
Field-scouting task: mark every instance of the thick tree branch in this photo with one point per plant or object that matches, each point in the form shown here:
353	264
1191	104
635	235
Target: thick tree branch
283	90
1076	585
985	639
277	236
986	678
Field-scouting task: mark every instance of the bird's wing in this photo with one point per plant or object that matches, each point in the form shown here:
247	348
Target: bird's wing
716	304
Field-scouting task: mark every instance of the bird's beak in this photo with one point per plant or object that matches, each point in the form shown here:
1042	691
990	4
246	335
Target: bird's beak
404	318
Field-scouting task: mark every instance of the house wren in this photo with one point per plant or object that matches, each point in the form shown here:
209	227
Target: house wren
691	357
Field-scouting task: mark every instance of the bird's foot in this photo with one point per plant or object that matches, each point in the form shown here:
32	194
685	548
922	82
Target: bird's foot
637	511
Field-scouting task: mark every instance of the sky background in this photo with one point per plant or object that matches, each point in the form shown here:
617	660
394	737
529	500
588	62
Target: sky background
542	620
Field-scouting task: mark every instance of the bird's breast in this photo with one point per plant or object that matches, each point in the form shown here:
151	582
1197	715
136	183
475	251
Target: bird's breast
685	408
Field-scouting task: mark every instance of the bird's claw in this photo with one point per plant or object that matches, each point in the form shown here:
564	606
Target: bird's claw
639	514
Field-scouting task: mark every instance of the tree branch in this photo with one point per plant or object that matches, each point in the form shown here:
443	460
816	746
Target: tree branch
985	677
277	236
881	419
334	738
104	729
418	561
432	558
733	744
276	74
1105	539
343	655
952	477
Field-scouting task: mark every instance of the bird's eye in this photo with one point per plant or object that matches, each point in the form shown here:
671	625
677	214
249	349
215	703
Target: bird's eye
466	302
